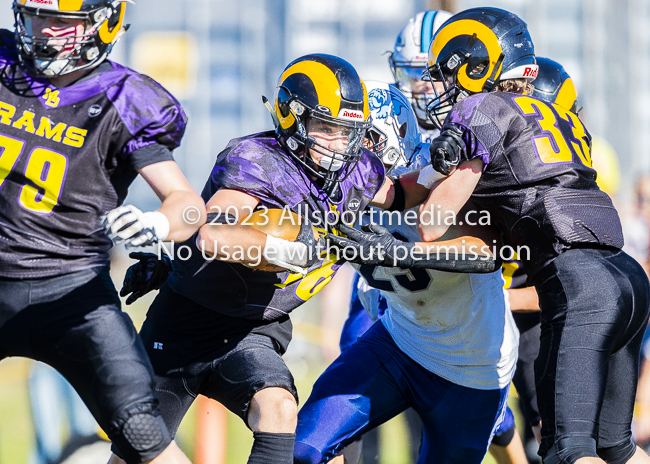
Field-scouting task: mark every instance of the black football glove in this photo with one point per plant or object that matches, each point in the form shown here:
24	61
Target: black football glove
372	245
314	246
447	148
146	275
375	246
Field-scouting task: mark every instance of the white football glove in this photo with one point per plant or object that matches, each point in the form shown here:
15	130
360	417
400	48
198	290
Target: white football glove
128	225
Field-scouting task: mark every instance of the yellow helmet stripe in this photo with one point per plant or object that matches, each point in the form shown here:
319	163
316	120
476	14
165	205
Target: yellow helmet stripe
484	34
108	36
70	5
285	123
567	95
325	83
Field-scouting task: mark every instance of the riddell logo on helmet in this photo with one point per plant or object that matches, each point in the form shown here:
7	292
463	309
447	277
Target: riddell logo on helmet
39	2
530	72
351	114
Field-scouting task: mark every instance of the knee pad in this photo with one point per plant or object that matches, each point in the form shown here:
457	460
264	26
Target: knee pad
139	434
618	454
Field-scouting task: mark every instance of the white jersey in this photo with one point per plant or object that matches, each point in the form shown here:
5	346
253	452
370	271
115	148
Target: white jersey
427	135
458	326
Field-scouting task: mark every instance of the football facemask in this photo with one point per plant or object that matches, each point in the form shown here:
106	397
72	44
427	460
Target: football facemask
52	42
333	145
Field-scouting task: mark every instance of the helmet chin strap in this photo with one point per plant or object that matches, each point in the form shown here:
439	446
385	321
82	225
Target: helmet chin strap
491	82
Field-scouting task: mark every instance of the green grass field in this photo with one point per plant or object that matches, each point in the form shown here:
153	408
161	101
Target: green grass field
17	435
304	359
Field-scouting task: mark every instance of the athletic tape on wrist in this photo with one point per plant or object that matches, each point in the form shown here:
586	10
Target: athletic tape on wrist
290	255
429	176
159	223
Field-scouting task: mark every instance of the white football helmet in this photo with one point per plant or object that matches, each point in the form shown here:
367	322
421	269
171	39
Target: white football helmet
394	135
409	59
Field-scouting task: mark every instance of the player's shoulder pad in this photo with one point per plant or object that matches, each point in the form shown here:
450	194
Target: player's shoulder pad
463	111
369	173
147	109
262	148
248	164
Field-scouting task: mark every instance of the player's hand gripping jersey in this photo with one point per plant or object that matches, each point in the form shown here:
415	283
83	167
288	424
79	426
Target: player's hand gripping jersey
552	202
68	155
259	166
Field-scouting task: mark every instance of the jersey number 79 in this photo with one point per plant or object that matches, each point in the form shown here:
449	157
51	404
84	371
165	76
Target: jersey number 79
44	174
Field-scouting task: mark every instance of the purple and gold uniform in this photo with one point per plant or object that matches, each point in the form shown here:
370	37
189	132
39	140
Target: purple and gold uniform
540	189
67	156
528	147
219	329
257	165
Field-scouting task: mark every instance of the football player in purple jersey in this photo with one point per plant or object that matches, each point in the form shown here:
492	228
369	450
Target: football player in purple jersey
75	130
528	163
219	326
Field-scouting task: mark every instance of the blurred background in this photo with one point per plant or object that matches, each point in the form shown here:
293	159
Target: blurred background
218	57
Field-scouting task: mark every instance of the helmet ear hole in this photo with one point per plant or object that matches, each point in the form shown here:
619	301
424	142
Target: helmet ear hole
114	19
402	130
283	102
477	70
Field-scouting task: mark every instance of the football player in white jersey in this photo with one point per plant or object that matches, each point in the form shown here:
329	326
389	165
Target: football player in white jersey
409	59
446	346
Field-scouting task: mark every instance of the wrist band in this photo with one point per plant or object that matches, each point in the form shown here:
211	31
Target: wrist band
159	223
429	176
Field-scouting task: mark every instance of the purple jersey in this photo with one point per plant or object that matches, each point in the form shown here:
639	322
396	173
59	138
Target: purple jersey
68	155
258	165
537	183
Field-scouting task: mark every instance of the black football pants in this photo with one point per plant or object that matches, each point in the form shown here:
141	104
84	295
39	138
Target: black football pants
74	324
594	311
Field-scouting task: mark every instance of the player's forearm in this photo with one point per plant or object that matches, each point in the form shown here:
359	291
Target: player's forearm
467	245
417	185
185	211
462	254
447	198
412	193
232	243
523	299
